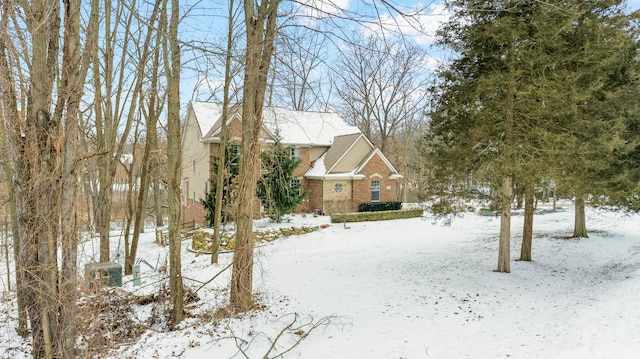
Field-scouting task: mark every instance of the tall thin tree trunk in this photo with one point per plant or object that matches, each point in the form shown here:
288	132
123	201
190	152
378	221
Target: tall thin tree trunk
527	230
9	106
224	139
172	67
15	233
150	119
130	207
70	92
506	191
504	256
580	223
260	20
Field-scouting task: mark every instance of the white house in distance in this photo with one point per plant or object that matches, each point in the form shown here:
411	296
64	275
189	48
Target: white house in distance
340	168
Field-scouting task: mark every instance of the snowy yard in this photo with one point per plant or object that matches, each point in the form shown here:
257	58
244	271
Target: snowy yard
410	288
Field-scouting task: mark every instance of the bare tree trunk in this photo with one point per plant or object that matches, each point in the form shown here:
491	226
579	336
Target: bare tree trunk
260	20
9	107
224	139
172	68
108	117
37	189
130	193
70	93
44	153
580	223
151	119
156	194
22	329
527	231
504	256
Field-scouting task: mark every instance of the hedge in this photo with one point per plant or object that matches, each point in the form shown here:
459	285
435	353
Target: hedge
379	206
375	216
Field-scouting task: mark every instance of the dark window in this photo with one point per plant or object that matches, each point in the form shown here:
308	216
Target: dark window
295	153
295	184
234	154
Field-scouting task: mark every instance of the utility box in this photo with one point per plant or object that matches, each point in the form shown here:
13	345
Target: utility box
108	274
136	275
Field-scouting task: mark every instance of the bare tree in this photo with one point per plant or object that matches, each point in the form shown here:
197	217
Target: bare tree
151	117
171	53
116	99
260	19
9	104
382	84
44	147
224	135
299	75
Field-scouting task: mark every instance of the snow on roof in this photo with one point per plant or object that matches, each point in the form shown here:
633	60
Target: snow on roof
319	171
206	114
293	127
305	127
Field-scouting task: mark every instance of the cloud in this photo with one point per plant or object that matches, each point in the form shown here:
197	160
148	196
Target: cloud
319	9
420	24
208	83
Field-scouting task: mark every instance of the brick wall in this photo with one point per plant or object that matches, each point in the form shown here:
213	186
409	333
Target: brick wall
375	169
314	187
305	163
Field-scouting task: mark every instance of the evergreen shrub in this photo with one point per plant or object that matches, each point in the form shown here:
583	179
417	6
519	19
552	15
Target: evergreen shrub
375	216
379	206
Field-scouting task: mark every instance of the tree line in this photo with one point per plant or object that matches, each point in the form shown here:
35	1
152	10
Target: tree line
538	92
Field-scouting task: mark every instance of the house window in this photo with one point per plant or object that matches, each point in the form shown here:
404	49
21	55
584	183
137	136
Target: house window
375	191
295	184
295	153
234	154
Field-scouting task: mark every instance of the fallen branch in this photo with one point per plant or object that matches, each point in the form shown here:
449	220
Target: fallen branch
214	277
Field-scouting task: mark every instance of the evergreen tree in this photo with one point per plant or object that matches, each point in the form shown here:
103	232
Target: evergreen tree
278	189
526	98
597	77
492	104
229	189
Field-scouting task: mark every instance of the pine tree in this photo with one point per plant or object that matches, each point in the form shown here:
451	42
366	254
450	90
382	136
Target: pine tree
229	189
529	97
598	96
492	104
278	189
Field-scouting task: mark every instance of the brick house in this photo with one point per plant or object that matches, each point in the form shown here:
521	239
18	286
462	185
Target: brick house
340	168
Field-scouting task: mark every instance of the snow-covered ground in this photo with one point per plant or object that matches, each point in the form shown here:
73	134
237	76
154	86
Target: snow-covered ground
412	288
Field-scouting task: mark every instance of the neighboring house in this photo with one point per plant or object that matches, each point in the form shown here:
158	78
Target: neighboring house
340	168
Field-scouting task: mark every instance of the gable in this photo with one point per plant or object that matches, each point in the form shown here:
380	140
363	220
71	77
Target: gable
353	156
376	164
204	115
341	145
